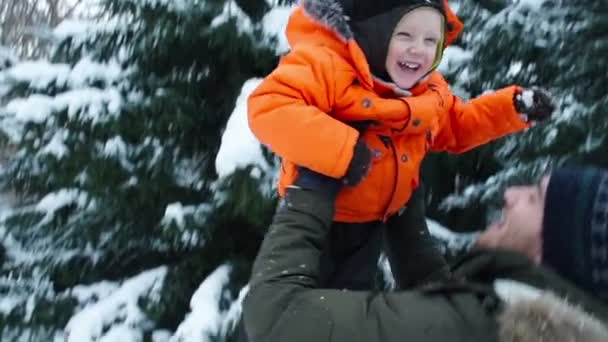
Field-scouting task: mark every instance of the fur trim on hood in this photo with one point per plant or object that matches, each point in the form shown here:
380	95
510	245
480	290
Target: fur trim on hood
330	14
541	316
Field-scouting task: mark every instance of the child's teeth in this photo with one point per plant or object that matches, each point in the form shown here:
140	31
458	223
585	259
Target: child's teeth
409	65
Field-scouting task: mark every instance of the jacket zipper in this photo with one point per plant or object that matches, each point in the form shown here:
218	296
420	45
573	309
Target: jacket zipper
396	178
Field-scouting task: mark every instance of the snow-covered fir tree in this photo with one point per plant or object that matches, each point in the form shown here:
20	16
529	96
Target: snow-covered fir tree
122	228
142	196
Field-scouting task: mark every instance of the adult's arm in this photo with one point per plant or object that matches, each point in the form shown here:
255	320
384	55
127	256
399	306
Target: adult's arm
284	303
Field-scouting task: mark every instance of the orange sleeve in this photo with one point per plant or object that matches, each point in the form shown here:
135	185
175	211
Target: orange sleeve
288	112
476	122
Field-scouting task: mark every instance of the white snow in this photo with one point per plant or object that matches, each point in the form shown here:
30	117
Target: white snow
87	71
175	213
531	4
89	294
232	316
85	8
39	74
233	11
527	96
81	30
115	147
94	100
14	250
8	303
275	23
453	240
515	68
54	201
89	104
205	316
453	56
186	173
239	146
119	310
70	28
122	333
161	335
35	108
7	56
171	5
56	147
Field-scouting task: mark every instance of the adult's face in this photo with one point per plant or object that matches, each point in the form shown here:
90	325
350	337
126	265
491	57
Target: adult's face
520	226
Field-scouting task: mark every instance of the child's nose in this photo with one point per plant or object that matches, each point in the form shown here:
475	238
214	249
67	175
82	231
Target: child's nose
416	46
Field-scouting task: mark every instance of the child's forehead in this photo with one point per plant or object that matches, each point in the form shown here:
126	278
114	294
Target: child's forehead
424	17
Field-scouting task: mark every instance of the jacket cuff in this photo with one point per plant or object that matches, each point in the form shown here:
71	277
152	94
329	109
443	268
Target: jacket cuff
344	158
507	95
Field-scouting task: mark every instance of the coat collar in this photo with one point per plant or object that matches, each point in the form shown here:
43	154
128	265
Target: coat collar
534	315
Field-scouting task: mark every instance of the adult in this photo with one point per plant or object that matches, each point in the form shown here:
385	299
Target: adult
493	295
561	222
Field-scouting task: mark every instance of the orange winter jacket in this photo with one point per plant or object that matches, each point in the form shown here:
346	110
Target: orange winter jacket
302	109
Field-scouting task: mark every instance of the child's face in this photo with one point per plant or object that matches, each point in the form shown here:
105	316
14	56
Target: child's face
413	46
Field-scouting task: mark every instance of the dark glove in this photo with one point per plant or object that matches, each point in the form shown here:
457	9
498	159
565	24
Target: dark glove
311	180
357	170
359	165
535	103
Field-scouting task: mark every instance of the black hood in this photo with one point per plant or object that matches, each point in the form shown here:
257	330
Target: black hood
371	23
373	33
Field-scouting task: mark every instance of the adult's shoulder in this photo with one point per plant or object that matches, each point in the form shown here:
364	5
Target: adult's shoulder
489	265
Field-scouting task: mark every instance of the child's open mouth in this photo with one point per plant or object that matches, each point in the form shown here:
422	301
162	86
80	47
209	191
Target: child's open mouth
409	66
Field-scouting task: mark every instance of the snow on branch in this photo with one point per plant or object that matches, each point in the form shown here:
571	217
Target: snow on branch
116	316
87	104
239	146
205	317
39	75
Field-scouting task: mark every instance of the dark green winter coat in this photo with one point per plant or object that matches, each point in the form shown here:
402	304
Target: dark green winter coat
284	303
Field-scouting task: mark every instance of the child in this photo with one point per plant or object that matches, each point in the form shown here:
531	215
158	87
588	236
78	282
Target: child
357	99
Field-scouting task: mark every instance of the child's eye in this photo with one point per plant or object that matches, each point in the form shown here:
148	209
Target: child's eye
431	40
404	34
